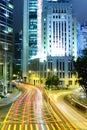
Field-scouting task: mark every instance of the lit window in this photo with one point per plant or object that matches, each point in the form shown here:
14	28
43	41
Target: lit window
10	6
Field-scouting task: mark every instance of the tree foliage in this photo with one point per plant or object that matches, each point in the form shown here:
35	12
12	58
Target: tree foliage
81	68
55	80
52	80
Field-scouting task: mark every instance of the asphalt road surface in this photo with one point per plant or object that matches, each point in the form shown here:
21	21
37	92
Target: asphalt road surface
71	114
31	112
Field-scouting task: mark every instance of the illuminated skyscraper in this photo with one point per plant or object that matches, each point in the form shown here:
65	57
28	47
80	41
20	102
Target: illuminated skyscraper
6	37
32	28
31	31
82	38
35	8
58	29
49	31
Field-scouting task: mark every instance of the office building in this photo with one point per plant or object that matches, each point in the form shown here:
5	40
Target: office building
59	33
18	51
6	39
31	31
58	44
59	66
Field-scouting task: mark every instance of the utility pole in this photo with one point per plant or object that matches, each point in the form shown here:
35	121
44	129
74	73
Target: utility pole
5	71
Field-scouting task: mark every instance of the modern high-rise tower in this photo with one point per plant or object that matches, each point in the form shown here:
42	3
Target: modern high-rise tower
31	31
6	39
50	27
32	28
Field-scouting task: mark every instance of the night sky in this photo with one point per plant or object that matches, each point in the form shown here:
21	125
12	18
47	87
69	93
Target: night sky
18	13
79	8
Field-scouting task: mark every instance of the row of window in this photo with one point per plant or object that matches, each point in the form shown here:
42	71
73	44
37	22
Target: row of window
60	74
59	10
60	66
6	21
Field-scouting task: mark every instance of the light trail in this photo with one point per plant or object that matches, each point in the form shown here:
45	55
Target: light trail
31	112
72	115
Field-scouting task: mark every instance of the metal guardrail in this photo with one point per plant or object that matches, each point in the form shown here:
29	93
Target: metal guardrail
75	103
79	105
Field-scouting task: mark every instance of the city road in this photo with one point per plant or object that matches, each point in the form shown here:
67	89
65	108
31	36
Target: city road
68	111
31	112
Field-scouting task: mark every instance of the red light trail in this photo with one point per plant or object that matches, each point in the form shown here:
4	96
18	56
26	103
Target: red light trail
31	112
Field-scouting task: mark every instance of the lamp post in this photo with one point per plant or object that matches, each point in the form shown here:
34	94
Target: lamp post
5	48
5	72
10	75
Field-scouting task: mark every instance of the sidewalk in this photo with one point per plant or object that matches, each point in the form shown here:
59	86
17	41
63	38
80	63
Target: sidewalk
11	97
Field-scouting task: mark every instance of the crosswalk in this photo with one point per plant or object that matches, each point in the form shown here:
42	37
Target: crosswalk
49	126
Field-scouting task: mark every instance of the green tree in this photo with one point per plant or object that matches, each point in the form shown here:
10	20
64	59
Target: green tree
55	80
81	68
48	81
52	80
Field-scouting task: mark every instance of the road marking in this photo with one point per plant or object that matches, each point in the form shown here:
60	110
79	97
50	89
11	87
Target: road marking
3	127
25	127
58	126
20	127
14	127
31	128
9	127
42	127
36	126
53	127
47	127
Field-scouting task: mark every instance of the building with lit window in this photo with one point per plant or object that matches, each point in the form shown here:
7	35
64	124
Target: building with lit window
18	50
6	38
59	66
58	44
82	38
31	32
50	32
32	28
58	29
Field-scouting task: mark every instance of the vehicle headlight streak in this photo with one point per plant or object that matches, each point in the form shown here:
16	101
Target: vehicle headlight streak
38	106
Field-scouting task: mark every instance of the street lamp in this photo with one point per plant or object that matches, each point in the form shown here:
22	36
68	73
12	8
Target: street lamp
5	48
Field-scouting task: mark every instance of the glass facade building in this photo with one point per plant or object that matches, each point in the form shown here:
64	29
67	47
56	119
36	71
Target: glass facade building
57	39
6	36
18	49
31	32
6	25
32	28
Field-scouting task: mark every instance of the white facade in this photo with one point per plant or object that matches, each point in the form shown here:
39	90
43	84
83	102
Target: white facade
58	29
56	40
60	66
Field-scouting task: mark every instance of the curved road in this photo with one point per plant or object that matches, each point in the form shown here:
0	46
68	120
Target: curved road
31	112
68	111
